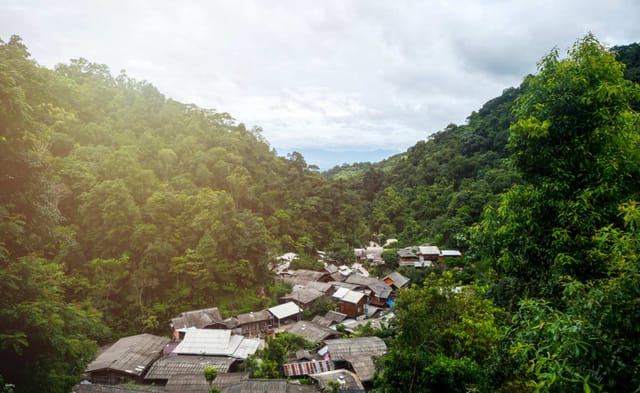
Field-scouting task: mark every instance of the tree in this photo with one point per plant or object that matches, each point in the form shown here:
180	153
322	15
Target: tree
575	143
444	333
210	373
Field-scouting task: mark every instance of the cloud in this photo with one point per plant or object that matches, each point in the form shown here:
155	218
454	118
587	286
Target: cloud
334	74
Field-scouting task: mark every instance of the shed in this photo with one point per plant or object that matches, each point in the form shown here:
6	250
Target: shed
397	280
254	323
285	312
126	360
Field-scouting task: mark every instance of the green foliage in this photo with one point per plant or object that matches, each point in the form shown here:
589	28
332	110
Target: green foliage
575	143
267	363
444	333
210	374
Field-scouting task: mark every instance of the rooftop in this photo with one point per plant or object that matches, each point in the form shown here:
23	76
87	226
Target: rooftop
311	331
168	366
131	355
197	318
285	310
216	342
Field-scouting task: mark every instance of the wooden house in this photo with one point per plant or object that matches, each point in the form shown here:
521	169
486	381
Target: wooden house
127	360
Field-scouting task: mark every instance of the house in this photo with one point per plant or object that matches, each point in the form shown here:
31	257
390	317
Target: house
357	352
429	253
303	276
407	257
168	366
127	360
286	312
330	318
378	292
312	331
208	318
303	297
397	281
420	256
372	253
253	323
217	342
350	303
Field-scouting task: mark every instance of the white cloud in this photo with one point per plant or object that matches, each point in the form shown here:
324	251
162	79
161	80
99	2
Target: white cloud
332	74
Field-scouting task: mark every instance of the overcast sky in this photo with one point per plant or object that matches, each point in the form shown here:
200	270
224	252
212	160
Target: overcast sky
323	75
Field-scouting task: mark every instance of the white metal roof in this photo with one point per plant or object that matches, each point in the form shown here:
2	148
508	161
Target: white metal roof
429	250
208	342
248	346
450	253
352	297
339	294
285	310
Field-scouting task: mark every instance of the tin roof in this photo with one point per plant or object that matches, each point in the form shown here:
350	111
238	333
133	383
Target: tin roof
307	368
285	310
168	366
131	355
216	342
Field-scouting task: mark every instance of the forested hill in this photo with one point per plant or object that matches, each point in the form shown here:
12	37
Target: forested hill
121	208
439	187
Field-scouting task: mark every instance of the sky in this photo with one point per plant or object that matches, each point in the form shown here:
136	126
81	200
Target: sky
338	80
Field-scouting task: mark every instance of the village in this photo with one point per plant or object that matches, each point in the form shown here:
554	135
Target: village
202	339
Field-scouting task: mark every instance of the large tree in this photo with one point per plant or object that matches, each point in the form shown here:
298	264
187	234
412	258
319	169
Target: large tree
576	145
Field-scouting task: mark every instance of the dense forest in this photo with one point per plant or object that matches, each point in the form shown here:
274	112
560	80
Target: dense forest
121	208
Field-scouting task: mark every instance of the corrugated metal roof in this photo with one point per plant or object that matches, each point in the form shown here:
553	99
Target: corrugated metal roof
187	383
450	253
132	355
352	297
308	368
429	250
248	346
197	318
358	352
168	366
339	294
347	379
251	317
285	310
311	331
214	342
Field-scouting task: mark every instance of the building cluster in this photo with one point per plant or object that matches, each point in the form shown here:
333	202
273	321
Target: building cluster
203	338
413	256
